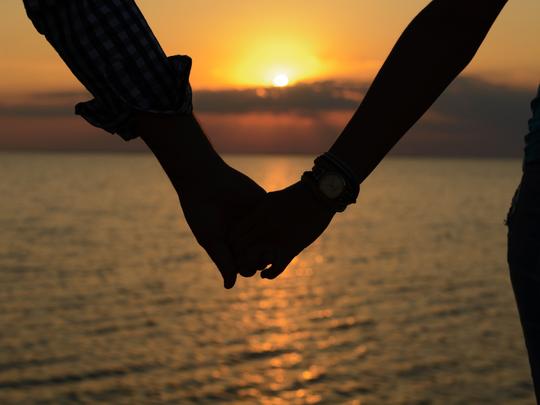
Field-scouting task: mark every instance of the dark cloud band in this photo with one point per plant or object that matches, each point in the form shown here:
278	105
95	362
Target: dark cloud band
472	117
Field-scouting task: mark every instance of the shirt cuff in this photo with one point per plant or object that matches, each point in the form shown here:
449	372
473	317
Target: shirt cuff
120	121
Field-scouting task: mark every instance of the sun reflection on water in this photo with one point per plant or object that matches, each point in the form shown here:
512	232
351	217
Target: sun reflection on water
279	174
111	303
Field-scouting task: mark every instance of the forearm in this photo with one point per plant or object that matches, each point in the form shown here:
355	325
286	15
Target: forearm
433	50
182	148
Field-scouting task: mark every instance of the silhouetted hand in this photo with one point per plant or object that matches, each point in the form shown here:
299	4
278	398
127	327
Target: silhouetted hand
213	195
279	228
212	210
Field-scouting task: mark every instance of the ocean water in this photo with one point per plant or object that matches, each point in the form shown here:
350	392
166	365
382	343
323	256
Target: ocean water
106	298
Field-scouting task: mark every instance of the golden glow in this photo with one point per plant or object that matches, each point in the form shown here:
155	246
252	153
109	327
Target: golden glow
270	61
281	80
248	44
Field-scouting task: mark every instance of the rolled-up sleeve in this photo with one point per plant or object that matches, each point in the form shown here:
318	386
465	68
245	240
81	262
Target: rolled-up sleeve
110	48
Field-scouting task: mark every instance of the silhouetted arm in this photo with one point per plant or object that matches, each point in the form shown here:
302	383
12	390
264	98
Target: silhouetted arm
139	91
213	195
434	49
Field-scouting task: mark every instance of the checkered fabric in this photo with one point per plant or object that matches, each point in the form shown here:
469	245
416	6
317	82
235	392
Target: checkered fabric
110	48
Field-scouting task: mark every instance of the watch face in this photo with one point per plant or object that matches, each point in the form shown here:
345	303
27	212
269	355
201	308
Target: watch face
332	185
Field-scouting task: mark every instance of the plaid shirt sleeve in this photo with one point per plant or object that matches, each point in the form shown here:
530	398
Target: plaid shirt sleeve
110	48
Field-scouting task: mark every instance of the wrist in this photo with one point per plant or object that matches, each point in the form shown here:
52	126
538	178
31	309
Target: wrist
313	203
182	149
332	182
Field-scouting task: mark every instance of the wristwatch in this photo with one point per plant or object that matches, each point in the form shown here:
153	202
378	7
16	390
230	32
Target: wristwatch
332	182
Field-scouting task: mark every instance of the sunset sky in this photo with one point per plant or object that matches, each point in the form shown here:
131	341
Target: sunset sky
328	52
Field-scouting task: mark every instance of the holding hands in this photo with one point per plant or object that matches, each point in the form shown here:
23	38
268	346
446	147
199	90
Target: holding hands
280	227
289	220
241	227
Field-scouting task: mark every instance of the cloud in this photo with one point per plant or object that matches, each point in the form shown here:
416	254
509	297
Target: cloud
35	111
42	105
300	98
472	117
467	99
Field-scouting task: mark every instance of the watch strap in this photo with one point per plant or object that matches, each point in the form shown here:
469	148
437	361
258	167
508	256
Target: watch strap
335	205
329	163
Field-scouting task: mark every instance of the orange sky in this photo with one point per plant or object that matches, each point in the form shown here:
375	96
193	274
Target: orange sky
242	44
237	42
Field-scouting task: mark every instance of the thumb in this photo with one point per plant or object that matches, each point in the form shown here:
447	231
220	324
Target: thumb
278	267
223	258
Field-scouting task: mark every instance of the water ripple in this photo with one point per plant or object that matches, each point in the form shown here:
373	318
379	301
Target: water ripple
105	297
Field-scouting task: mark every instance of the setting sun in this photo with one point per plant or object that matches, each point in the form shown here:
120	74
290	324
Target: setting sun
271	60
281	80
